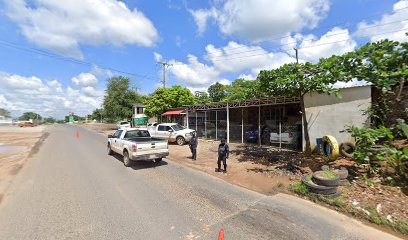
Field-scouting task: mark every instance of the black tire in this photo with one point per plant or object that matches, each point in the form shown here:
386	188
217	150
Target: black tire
333	195
109	150
341	171
315	188
180	141
347	149
158	160
324	181
126	160
344	182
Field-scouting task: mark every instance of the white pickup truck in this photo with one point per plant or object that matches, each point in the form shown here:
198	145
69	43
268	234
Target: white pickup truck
136	144
171	132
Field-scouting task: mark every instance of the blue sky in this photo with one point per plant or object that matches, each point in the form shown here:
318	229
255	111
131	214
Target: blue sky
206	41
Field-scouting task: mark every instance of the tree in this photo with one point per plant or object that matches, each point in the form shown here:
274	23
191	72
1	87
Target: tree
297	80
216	92
5	113
30	115
201	97
119	99
97	114
50	120
384	64
166	98
242	89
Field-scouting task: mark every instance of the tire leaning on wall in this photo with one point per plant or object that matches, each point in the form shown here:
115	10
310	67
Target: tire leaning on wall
334	147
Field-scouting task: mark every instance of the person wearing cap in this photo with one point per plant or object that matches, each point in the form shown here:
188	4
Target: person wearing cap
193	146
223	154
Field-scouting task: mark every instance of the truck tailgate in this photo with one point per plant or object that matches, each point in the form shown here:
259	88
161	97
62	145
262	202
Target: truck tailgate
151	147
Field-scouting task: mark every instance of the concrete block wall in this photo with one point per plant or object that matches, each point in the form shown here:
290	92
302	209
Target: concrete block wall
328	115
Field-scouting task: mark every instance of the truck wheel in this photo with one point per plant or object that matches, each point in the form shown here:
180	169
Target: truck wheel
158	160
126	160
180	141
109	150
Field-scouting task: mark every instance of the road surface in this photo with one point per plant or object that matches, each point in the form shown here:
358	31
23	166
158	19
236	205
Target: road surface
71	189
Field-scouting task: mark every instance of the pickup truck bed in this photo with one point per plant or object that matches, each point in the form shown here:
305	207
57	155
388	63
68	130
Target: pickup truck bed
137	148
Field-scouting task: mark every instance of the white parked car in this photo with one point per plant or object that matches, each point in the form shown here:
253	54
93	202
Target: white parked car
123	125
172	132
135	144
285	137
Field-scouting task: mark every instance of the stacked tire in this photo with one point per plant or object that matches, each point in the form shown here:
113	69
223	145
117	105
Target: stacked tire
324	186
341	171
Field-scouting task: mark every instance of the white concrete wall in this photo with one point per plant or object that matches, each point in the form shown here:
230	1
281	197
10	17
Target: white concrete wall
328	115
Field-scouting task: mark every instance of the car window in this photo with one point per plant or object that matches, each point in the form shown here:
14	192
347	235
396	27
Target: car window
168	128
177	127
161	128
123	123
118	133
137	133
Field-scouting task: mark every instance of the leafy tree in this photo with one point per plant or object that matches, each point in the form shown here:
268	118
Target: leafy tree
97	114
201	97
242	89
76	118
119	100
30	115
165	98
50	120
217	92
297	80
384	64
5	113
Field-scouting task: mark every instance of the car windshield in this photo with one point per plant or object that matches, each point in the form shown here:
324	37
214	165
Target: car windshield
177	127
137	134
123	123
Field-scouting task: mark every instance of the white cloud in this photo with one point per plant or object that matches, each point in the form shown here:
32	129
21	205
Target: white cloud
85	79
311	48
157	57
247	77
194	73
20	94
62	26
352	83
92	92
260	20
391	24
235	57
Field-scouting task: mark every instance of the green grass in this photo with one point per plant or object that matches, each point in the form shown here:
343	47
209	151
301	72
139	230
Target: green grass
309	179
329	174
299	188
375	217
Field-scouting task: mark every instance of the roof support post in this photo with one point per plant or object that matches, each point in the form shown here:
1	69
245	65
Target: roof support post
242	125
205	123
228	128
187	120
259	125
216	125
196	121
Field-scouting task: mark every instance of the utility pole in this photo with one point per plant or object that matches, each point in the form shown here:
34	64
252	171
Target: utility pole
297	57
164	64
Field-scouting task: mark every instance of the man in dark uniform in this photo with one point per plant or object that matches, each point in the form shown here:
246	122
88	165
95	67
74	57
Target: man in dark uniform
193	146
223	154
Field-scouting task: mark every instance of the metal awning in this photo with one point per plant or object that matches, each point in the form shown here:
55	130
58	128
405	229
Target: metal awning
173	112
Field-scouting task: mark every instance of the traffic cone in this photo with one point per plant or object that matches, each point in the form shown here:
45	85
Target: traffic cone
77	135
221	235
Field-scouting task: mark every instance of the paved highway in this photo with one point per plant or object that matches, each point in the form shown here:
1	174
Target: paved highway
71	189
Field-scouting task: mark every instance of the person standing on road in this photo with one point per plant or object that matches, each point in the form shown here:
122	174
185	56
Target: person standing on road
193	146
223	154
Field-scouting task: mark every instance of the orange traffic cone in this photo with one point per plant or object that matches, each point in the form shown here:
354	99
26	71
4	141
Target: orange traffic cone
77	134
221	235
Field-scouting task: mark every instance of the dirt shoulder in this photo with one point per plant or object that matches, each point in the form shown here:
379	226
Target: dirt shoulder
16	145
268	170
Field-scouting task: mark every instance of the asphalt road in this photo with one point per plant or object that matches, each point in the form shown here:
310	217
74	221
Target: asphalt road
71	189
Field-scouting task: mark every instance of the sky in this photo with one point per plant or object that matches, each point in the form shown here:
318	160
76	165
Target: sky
55	56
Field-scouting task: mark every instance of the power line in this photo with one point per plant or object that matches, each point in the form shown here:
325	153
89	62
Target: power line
333	25
306	40
311	46
66	59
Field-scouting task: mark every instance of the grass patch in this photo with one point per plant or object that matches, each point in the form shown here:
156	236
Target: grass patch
280	185
329	174
299	188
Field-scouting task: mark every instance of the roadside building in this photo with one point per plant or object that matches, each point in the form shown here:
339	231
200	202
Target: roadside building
139	118
5	121
278	121
175	115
